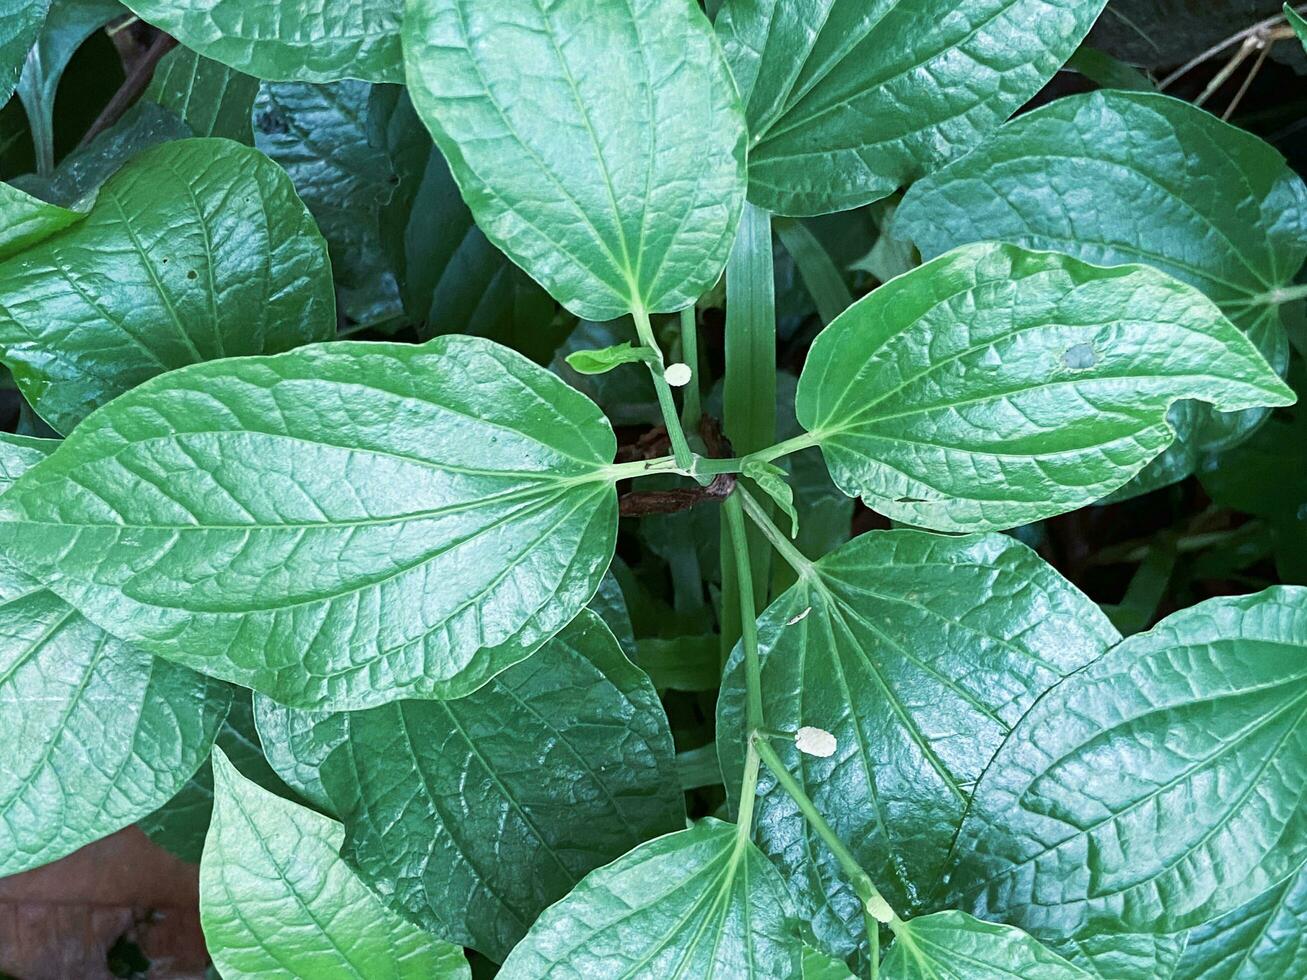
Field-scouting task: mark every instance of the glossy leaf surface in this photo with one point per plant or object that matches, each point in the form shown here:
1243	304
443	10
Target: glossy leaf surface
474	815
181	824
994	386
1158	788
1121	177
212	99
340	526
955	946
919	653
848	100
319	135
26	220
277	900
616	177
1266	937
697	903
288	40
195	250
98	733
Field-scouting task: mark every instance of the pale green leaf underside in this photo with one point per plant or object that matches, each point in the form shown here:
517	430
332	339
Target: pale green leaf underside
97	734
848	100
337	527
955	946
288	40
1121	177
197	249
1157	789
1266	937
276	900
697	903
26	220
994	386
212	99
474	815
919	653
615	175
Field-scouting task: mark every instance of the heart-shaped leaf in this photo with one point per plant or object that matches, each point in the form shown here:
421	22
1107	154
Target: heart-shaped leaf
1155	790
339	526
288	40
994	386
562	763
616	177
277	900
702	902
195	250
848	100
1120	177
919	653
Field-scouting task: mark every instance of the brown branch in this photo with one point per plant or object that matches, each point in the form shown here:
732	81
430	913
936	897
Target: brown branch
131	88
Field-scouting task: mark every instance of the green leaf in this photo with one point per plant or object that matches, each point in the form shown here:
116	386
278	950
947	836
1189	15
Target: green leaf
1266	937
97	733
18	454
604	359
276	899
847	100
195	250
955	946
1138	956
1122	177
473	815
609	603
1298	23
319	135
1157	789
181	824
212	99
617	180
919	653
451	279
296	743
336	527
700	903
771	480
20	24
1108	72
288	40
69	23
26	220
994	386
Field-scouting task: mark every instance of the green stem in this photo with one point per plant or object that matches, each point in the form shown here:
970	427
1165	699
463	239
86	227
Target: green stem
680	448
804	440
691	408
40	116
638	468
784	547
736	531
1280	296
875	909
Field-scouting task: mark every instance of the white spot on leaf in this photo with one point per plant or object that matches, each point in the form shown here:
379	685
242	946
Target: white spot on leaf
677	375
815	741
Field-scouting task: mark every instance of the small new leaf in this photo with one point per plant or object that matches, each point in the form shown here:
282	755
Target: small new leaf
604	359
277	900
773	481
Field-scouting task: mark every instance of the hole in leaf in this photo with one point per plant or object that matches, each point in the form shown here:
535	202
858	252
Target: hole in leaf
911	500
1080	357
192	274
